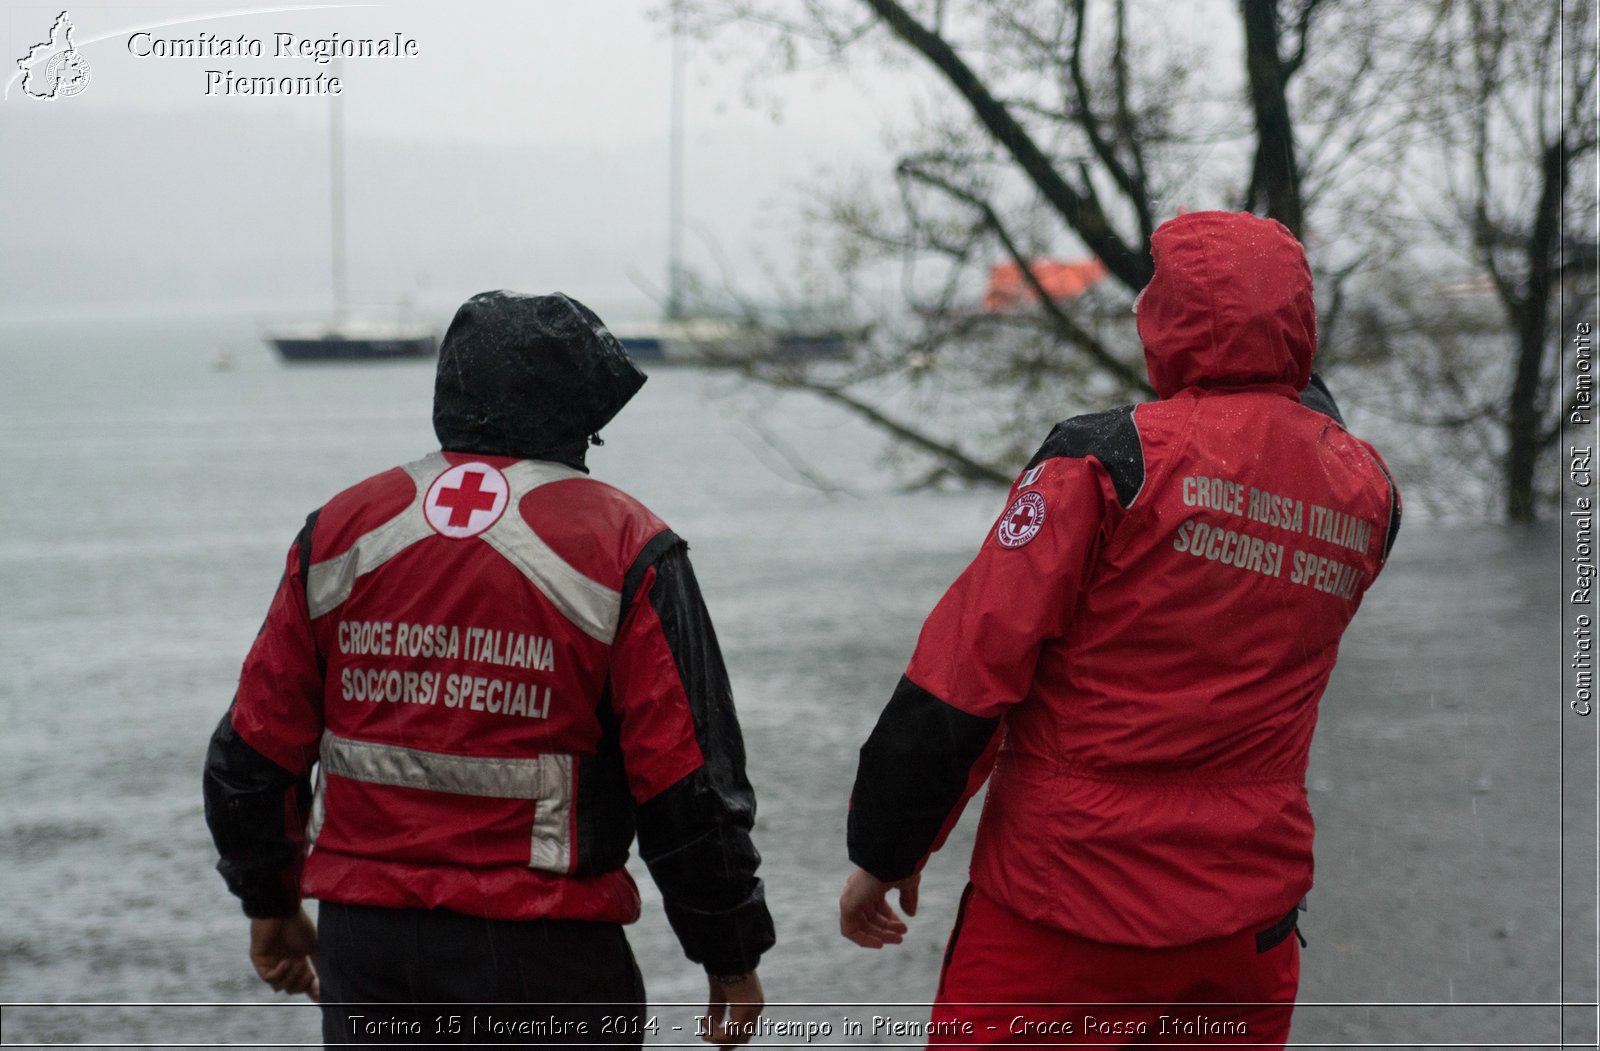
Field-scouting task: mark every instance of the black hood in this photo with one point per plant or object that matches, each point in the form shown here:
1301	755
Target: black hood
529	376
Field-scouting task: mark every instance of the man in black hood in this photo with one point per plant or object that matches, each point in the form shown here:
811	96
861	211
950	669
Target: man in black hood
529	376
501	670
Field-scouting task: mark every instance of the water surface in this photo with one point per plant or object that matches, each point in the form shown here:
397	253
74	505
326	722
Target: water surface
148	502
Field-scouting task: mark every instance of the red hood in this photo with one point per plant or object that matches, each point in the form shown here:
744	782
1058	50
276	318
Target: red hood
1230	305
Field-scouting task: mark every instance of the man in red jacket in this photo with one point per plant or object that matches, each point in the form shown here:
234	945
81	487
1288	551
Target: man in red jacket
500	669
1136	654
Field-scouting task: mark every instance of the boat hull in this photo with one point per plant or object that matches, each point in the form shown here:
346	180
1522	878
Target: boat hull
643	348
354	348
710	342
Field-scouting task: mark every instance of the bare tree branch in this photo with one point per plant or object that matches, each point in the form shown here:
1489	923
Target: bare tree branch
1131	185
1065	325
1128	131
1133	267
803	472
950	454
1275	174
1302	31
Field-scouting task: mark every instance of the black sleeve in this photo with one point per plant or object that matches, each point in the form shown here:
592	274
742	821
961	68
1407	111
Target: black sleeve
919	767
256	810
695	835
1110	437
1394	508
1317	396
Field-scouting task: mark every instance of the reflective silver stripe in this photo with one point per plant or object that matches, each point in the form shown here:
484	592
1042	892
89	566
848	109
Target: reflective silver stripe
329	582
525	475
318	810
545	779
590	605
550	845
1144	468
467	775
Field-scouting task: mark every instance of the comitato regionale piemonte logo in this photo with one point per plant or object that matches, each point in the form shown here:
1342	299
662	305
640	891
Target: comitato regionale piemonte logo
54	69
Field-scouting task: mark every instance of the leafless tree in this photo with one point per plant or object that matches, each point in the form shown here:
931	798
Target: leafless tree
1507	106
1076	126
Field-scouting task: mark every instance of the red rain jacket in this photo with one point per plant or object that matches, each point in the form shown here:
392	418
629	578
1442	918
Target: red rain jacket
499	668
1138	650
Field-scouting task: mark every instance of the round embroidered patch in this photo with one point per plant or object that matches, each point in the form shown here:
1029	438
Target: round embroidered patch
1022	520
466	500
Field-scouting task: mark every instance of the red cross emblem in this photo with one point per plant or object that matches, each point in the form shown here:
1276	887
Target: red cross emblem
466	500
1022	520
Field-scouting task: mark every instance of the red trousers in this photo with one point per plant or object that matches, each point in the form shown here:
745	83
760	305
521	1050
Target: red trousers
1008	980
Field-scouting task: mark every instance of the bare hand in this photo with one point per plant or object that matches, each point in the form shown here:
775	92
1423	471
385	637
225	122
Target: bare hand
283	950
732	1010
865	915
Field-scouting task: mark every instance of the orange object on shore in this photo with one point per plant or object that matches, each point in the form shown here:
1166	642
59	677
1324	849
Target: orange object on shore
1008	288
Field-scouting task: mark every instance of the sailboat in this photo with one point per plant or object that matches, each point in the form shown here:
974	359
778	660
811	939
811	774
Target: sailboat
684	338
341	338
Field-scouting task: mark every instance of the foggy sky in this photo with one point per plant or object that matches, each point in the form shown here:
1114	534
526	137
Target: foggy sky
524	146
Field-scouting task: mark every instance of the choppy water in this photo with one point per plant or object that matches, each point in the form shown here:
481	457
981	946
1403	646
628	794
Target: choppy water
146	504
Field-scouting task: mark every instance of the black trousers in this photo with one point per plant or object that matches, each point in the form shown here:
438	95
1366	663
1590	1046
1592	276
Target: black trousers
431	978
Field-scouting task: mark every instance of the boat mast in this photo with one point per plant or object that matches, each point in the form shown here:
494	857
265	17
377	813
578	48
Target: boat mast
336	198
675	174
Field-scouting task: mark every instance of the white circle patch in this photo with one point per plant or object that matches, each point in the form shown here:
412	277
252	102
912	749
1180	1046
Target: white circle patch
466	500
1022	520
